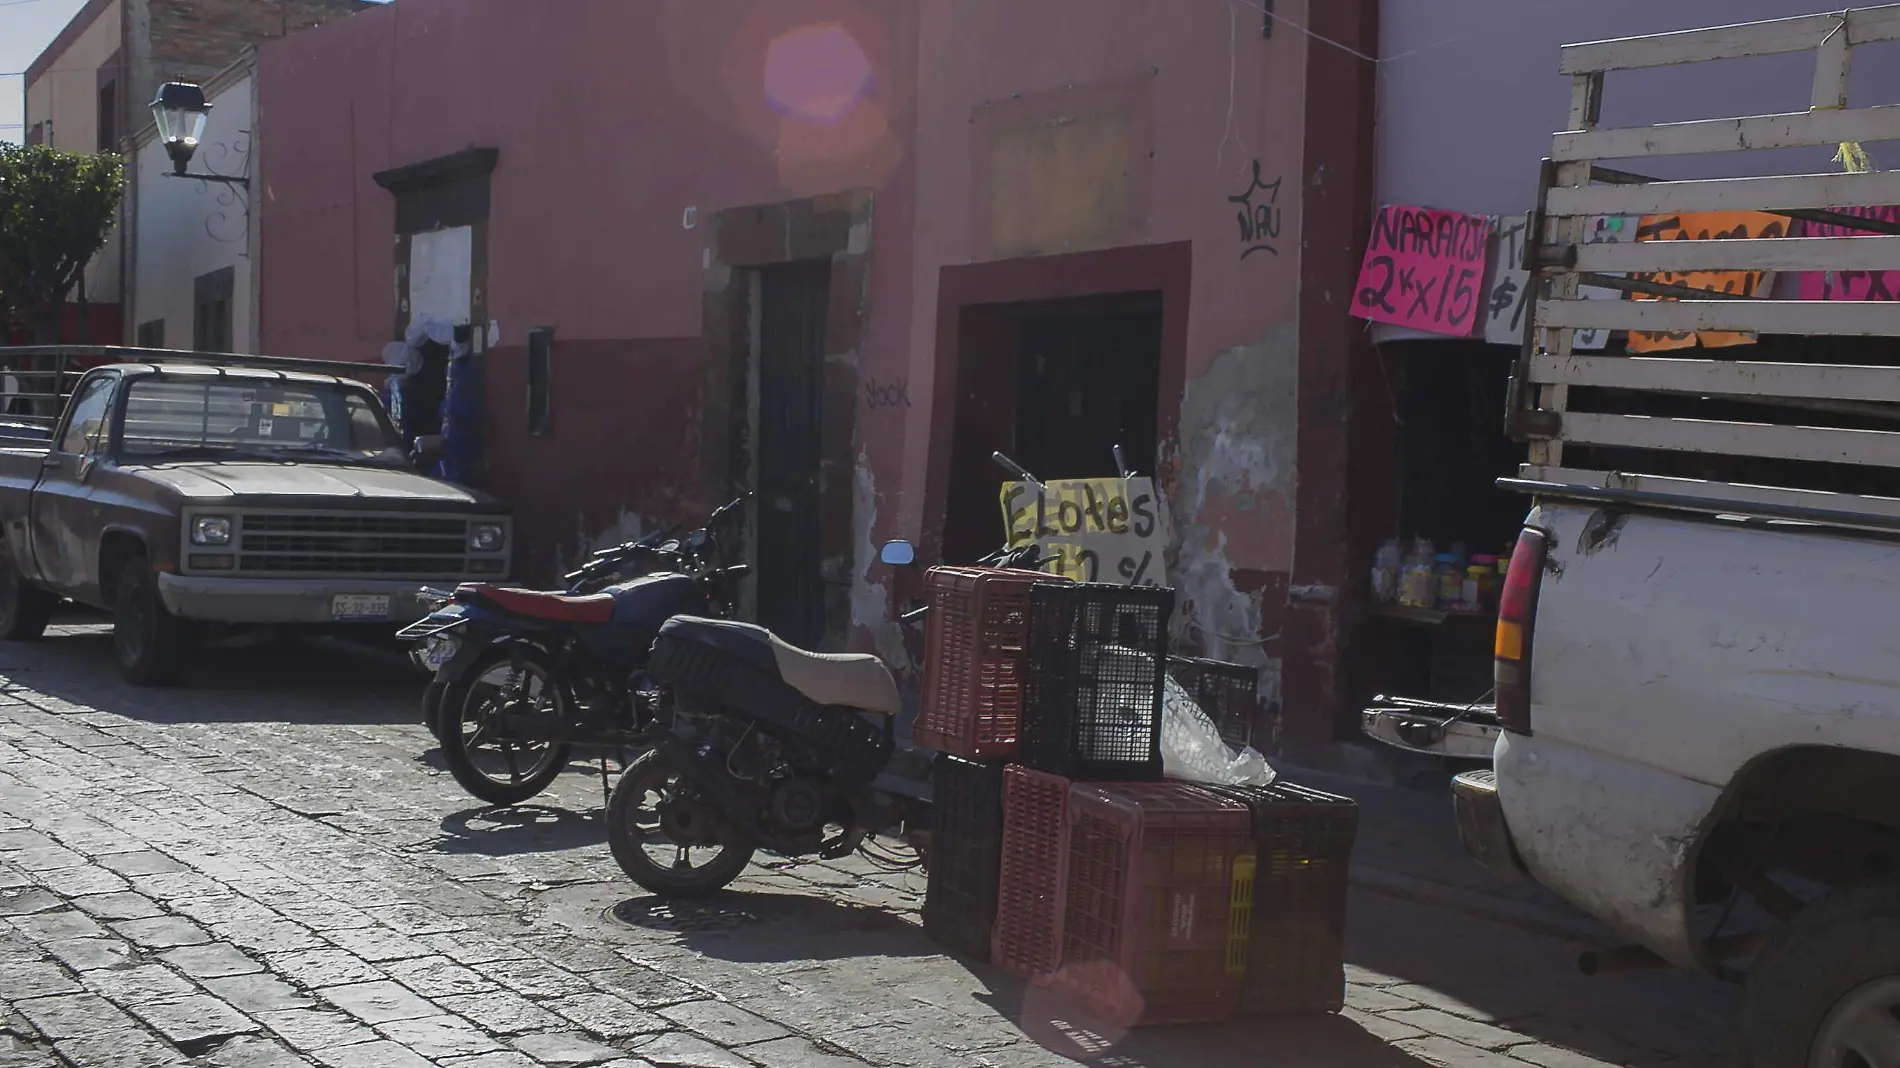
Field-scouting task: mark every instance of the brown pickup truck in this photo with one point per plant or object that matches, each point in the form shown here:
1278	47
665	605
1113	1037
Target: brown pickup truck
188	498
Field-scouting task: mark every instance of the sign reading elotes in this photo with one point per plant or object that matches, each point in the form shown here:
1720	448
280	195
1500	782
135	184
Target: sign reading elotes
1097	529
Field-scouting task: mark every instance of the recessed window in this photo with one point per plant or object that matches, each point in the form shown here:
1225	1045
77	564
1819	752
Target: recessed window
540	357
109	117
211	310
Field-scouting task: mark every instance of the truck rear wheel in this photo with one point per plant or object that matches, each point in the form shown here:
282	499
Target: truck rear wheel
1825	993
25	610
151	643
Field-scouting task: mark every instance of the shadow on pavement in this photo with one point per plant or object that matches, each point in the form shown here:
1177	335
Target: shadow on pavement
1282	1042
769	928
315	680
518	829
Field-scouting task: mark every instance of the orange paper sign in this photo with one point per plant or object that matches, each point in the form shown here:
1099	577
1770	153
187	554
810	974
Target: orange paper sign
1703	226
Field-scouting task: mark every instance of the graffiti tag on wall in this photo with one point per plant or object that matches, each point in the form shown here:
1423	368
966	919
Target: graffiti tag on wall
1259	215
894	394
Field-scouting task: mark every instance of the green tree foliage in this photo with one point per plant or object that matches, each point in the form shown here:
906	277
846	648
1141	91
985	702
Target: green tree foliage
56	210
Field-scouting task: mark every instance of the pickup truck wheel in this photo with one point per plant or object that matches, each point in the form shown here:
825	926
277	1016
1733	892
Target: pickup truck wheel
25	610
1825	992
151	643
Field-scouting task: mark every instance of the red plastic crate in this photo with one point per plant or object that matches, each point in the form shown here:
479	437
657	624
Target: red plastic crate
976	639
1158	891
1296	948
1027	940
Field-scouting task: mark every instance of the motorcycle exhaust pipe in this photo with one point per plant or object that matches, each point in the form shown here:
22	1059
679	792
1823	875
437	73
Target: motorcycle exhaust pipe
1595	962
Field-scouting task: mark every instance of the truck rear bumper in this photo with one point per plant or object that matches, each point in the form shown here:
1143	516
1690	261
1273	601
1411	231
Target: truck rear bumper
1481	826
291	601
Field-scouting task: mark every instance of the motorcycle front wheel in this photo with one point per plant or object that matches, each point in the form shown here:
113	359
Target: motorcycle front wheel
491	766
660	834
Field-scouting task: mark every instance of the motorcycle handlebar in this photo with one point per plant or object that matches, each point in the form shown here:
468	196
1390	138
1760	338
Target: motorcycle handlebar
1014	468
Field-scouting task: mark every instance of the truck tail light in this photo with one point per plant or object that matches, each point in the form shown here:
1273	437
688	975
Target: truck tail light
1517	622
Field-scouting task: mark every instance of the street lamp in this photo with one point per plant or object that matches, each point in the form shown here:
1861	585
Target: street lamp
180	110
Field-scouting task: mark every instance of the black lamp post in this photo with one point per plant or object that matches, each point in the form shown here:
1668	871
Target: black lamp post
180	110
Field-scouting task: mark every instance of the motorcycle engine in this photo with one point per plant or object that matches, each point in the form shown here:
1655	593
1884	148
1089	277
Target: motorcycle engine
798	804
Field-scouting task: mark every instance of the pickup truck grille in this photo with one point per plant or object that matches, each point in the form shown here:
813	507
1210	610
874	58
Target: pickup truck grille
342	543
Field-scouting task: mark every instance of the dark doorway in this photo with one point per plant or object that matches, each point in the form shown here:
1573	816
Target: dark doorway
1055	385
792	302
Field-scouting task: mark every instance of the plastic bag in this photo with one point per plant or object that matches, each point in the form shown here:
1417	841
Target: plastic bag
1192	749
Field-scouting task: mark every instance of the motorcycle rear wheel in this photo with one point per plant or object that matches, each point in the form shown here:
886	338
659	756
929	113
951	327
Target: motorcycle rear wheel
527	768
640	814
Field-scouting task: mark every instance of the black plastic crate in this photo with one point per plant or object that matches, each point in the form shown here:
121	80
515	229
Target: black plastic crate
1228	693
1093	705
1296	946
966	855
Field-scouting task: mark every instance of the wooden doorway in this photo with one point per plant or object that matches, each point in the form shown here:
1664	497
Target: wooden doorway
793	299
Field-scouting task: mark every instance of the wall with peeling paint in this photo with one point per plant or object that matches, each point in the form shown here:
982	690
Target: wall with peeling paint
1150	123
983	130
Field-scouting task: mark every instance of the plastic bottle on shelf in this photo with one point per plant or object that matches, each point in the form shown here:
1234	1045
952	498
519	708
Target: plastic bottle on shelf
1417	585
1386	566
1484	571
1451	580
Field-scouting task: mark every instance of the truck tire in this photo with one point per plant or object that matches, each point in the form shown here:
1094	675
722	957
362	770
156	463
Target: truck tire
25	610
1827	983
151	643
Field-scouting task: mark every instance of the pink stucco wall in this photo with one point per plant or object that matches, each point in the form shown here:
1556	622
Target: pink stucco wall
613	118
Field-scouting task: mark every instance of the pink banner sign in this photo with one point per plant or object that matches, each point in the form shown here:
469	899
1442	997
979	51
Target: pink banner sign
1849	285
1424	269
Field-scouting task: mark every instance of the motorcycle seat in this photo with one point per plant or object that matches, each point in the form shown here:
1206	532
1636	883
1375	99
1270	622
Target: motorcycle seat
853	680
537	604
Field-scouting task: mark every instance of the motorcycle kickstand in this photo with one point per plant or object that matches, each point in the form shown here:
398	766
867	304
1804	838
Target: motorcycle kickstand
604	793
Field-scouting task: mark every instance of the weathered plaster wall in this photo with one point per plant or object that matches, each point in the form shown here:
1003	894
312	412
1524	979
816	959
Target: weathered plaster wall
1065	127
984	131
645	121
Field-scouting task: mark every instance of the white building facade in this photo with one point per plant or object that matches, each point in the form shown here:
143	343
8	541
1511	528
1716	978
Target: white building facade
194	242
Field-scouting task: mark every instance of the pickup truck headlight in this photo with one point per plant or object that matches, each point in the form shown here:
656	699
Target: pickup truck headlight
211	530
486	538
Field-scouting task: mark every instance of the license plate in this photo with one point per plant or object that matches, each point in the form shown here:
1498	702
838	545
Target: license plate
437	652
359	607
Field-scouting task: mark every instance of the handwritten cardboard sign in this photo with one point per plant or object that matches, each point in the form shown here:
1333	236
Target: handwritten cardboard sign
1097	529
1424	269
1703	226
1508	300
1849	285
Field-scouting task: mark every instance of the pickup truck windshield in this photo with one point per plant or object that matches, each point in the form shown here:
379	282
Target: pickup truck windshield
167	416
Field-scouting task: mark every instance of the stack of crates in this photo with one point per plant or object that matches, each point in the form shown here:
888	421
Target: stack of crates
976	654
1075	865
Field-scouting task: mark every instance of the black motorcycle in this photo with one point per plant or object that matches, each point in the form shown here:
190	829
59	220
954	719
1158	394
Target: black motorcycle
524	676
447	629
757	744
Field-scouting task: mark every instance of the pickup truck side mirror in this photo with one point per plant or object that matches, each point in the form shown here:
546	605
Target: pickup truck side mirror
426	451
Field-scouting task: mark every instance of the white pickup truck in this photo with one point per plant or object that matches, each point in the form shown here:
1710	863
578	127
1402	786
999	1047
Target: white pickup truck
1698	653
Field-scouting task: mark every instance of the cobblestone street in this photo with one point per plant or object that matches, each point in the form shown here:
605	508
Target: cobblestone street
265	868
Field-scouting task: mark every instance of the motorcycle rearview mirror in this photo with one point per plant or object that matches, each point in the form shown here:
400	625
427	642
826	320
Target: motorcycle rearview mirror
898	553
